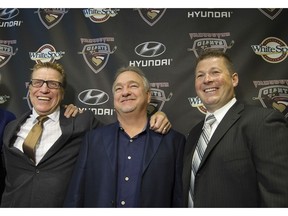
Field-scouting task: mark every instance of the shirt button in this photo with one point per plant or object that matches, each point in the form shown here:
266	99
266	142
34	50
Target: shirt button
129	157
126	178
131	140
122	203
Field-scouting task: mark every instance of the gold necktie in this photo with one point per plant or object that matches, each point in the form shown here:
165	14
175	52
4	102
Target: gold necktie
33	137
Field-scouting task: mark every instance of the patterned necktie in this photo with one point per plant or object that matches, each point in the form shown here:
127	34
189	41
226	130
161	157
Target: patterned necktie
33	137
198	154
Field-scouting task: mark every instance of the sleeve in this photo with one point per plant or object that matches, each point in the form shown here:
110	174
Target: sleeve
270	155
76	188
178	186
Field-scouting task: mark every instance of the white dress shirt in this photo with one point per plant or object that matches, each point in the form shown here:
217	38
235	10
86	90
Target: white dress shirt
51	132
219	114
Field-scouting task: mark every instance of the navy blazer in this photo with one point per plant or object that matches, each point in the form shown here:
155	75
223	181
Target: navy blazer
245	163
95	176
43	185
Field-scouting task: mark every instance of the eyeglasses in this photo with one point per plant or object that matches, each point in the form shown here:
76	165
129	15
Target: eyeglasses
37	83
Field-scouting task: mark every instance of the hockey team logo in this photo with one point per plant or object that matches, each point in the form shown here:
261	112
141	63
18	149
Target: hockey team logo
274	96
272	50
100	15
196	102
271	13
96	54
46	53
93	97
151	15
209	41
158	99
6	51
51	16
27	98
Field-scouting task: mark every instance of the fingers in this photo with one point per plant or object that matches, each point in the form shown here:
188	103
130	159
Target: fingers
162	127
71	111
166	128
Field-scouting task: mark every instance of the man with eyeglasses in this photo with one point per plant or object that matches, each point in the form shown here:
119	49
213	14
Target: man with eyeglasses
42	180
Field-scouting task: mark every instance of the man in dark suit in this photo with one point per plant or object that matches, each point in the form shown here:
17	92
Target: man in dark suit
245	162
125	164
41	180
5	118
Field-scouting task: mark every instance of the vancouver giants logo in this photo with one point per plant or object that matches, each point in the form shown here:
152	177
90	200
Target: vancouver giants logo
271	13
274	96
96	52
151	15
6	51
158	99
51	16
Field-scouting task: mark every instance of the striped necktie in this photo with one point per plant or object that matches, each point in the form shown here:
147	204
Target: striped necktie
33	137
198	154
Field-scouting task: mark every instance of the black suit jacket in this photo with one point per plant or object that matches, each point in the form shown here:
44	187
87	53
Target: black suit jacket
94	180
245	163
43	185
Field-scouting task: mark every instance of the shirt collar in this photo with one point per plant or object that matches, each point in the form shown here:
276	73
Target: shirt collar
220	113
147	126
53	116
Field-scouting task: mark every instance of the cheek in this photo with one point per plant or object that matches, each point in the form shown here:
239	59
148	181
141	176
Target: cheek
197	86
31	92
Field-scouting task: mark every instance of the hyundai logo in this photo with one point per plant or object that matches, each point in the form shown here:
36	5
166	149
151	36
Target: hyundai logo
150	49
8	13
93	97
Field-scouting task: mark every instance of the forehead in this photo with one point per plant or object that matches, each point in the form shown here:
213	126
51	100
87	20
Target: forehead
210	62
46	73
128	76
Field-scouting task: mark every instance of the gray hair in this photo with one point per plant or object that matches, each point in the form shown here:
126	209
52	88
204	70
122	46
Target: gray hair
137	70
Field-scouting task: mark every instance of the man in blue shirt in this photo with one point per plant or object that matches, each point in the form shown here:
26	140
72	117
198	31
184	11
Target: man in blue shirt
126	164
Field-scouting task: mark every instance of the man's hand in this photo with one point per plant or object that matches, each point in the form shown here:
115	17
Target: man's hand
160	123
71	110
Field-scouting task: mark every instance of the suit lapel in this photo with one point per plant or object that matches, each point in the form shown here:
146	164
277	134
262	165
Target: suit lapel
229	119
152	143
110	144
14	129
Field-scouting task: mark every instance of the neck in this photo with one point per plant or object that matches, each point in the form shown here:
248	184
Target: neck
133	125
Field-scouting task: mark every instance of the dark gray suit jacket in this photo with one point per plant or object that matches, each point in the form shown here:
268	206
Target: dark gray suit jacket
245	163
43	185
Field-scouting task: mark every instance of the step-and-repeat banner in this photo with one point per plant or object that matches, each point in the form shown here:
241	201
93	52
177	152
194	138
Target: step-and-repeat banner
92	43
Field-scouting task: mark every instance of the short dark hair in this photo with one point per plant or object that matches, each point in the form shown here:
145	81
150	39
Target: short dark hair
211	53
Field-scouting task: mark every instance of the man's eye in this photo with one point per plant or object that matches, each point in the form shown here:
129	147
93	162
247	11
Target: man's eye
199	75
